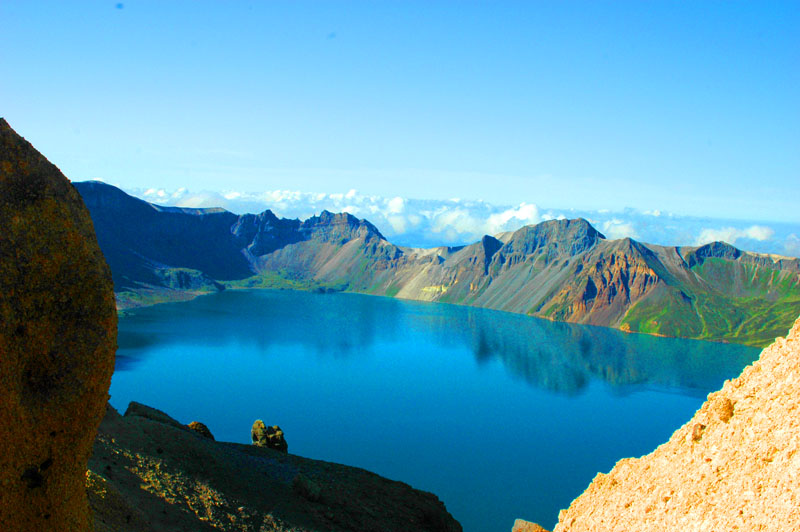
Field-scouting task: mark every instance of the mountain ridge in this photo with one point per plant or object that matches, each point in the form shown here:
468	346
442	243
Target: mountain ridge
563	270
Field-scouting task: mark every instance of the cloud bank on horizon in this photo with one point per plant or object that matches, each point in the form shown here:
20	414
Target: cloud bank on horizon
428	223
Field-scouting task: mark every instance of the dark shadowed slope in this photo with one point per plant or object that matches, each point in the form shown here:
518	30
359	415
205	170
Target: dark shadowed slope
150	473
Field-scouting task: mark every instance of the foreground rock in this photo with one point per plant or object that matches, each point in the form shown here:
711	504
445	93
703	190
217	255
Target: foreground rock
734	466
57	342
151	473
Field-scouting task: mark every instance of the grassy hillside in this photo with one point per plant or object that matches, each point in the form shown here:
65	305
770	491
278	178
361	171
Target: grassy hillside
735	302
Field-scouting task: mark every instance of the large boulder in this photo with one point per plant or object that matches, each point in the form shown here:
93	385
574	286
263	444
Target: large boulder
58	327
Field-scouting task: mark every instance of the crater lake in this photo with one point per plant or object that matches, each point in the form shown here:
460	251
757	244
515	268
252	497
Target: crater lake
501	415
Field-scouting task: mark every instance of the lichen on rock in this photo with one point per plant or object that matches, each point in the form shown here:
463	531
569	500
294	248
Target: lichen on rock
58	328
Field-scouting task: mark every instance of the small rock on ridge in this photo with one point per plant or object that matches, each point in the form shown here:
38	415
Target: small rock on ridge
201	429
272	437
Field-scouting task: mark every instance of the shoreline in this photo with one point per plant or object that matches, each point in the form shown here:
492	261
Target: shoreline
189	295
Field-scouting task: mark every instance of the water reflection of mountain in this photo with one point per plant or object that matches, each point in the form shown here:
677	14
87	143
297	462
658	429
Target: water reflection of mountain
556	356
565	357
336	325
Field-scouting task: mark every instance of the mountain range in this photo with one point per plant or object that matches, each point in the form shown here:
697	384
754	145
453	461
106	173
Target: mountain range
562	270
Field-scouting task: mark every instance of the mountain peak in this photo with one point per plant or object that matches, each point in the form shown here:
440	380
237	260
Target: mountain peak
341	225
559	236
718	250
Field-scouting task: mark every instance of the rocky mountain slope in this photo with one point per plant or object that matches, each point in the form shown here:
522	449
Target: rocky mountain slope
151	473
734	466
560	269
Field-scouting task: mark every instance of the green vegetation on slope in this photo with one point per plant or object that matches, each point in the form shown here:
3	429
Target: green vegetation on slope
737	302
283	280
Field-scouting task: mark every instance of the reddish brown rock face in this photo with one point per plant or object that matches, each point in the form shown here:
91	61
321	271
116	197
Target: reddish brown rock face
606	286
58	328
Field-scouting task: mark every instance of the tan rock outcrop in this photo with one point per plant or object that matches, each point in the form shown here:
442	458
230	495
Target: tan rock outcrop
520	525
58	327
734	466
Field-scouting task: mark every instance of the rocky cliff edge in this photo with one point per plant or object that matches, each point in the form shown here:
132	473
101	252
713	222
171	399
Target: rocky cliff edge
734	466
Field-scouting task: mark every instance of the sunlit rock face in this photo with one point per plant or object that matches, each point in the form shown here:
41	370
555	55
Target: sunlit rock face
734	466
58	329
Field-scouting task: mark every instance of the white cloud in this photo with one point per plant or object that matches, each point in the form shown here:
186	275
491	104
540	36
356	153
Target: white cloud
398	223
452	221
616	228
791	245
525	214
758	232
732	234
183	198
396	205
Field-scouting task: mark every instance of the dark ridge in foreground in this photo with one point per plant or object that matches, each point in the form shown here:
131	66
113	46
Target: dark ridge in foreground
151	473
561	270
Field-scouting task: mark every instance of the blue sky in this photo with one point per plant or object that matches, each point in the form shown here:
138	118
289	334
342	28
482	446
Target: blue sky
684	107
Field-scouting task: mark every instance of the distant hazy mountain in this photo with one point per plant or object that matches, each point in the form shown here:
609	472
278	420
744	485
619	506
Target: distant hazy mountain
560	269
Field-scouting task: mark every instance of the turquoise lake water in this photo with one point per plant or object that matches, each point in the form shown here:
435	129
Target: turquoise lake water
501	415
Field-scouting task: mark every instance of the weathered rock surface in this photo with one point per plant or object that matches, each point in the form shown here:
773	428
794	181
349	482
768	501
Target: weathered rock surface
151	473
520	525
57	342
272	437
734	466
201	429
